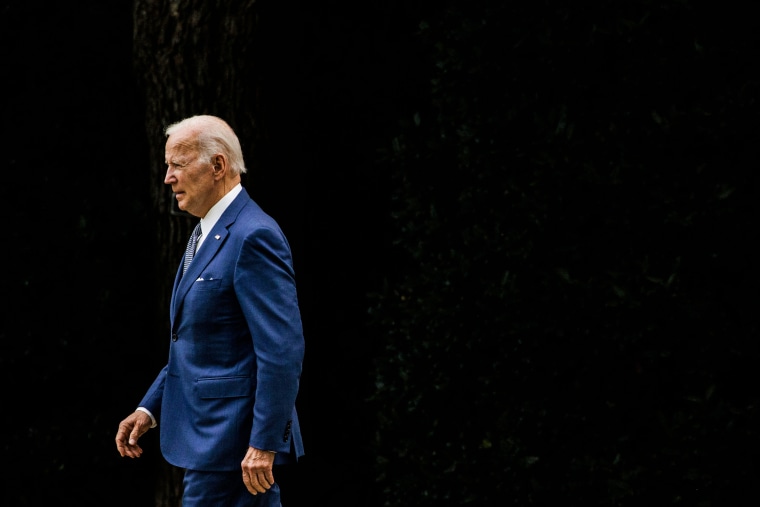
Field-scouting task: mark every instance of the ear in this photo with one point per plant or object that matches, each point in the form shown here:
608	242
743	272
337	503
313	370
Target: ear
220	165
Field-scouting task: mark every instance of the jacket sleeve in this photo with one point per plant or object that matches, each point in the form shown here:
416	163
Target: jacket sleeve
152	399
266	290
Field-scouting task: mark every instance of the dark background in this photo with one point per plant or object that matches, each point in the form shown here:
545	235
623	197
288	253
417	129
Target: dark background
524	235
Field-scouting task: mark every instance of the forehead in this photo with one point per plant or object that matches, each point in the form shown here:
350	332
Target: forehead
178	145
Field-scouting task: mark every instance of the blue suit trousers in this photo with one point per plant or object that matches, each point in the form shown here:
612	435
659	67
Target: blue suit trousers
224	489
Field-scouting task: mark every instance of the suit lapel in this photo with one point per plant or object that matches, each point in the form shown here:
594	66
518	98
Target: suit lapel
206	252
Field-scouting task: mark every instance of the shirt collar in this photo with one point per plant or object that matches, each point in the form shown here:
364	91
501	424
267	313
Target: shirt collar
212	217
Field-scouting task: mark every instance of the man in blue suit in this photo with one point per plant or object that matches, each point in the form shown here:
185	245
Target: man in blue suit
225	400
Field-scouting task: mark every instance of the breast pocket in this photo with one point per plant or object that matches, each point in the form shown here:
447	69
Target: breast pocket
205	284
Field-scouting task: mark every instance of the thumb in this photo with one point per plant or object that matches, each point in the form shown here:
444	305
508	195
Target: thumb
137	431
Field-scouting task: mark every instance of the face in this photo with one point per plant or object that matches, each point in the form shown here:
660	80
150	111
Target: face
190	175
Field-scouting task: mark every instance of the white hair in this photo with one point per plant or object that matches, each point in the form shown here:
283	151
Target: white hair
213	136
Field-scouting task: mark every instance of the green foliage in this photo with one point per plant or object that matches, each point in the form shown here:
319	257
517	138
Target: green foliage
568	316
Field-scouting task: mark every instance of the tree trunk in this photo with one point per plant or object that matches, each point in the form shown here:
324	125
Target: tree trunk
190	57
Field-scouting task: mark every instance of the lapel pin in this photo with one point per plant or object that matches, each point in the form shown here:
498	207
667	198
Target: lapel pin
217	237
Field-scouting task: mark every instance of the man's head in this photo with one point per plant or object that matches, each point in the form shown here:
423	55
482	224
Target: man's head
203	162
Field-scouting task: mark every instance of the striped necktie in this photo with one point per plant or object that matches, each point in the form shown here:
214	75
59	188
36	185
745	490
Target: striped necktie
191	244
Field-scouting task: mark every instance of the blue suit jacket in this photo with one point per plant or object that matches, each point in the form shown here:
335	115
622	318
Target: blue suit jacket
236	348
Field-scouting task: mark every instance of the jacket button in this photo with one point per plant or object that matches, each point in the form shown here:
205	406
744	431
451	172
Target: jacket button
174	337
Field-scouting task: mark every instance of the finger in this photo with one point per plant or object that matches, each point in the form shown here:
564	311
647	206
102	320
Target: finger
265	481
135	451
120	444
130	451
252	483
121	440
269	479
261	483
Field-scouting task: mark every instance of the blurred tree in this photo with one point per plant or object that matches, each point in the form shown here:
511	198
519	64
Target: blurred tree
189	58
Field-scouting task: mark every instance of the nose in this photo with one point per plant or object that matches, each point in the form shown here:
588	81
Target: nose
169	178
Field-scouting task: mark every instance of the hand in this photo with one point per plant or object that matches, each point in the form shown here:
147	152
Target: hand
130	429
257	470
